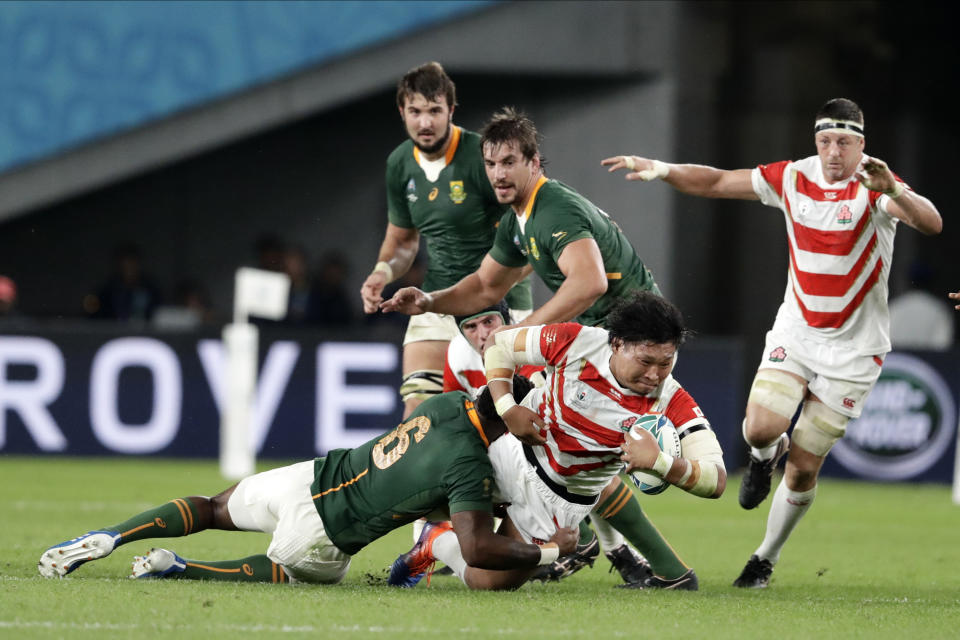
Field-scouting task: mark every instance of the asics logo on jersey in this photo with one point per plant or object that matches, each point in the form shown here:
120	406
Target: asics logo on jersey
433	194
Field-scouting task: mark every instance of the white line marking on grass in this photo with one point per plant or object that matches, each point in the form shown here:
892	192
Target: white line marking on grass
60	505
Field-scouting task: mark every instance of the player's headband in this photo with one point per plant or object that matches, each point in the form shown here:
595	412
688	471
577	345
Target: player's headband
838	126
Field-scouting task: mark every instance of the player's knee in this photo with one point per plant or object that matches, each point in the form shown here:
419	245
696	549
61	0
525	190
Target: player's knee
818	428
421	385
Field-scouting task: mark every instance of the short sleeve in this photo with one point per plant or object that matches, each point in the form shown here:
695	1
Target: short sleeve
504	250
767	182
398	212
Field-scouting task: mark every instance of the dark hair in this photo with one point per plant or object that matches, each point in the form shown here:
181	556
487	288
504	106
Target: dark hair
501	308
430	81
521	387
646	317
841	109
509	125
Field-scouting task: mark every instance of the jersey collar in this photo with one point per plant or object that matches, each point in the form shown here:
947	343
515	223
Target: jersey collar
528	209
451	150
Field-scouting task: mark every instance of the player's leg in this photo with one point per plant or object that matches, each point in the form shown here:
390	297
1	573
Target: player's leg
489	580
424	351
816	431
619	507
179	517
774	398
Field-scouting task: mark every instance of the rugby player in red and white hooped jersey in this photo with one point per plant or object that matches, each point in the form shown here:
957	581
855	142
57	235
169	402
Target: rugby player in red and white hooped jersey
831	333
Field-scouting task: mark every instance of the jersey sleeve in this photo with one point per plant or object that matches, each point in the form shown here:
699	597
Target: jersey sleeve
551	342
398	213
767	182
450	382
684	412
569	222
504	250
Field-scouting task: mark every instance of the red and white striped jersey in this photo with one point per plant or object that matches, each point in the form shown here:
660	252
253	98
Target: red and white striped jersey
463	369
840	239
585	410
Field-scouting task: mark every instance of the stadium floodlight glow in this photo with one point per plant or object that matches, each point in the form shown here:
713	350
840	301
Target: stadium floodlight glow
256	293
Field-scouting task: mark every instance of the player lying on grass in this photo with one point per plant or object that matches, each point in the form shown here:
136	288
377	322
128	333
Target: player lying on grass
464	371
321	512
570	432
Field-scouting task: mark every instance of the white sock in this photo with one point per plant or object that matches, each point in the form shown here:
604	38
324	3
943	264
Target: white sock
418	528
446	549
609	537
786	509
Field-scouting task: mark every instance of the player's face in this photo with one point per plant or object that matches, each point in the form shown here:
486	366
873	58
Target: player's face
427	122
839	154
642	366
512	176
477	330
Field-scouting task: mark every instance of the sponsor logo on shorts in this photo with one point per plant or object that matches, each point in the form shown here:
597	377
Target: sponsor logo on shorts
849	403
907	424
411	191
457	194
845	216
538	541
778	355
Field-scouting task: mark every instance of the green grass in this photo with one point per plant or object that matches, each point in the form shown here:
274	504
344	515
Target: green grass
869	561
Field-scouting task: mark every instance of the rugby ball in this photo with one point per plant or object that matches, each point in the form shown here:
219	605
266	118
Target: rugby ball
663	431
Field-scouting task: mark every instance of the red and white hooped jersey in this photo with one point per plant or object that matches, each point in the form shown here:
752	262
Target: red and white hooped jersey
463	369
585	410
840	239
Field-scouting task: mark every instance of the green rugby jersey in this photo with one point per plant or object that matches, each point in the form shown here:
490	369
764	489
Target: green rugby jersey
457	214
556	215
438	457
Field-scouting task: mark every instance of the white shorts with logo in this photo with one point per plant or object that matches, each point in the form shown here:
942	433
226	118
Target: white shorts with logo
534	508
840	377
279	502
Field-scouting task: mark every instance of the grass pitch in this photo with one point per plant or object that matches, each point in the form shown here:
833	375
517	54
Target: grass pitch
869	561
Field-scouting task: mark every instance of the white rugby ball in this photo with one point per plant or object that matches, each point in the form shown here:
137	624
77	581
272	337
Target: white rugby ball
663	431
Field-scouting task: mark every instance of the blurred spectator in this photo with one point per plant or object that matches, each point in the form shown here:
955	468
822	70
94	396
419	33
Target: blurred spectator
921	319
300	305
270	252
331	302
128	294
191	308
8	297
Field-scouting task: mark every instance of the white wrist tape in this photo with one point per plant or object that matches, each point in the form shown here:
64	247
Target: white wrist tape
549	552
663	464
386	269
504	404
897	190
659	170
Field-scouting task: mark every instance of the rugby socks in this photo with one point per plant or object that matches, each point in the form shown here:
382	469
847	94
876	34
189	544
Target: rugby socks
446	549
258	568
623	512
609	537
176	518
586	533
786	510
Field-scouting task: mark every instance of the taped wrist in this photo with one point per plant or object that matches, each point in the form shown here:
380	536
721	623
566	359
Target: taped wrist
897	190
385	268
663	464
549	552
504	404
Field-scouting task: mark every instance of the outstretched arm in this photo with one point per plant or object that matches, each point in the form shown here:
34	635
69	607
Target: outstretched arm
484	549
912	208
585	280
693	179
397	252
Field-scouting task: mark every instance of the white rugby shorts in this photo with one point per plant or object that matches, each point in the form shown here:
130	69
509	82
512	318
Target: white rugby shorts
279	502
840	377
534	508
430	326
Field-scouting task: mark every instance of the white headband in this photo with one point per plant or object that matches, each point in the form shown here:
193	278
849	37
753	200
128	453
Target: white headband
838	126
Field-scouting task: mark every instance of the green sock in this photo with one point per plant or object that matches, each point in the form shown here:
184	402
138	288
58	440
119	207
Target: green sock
623	512
586	533
179	517
252	569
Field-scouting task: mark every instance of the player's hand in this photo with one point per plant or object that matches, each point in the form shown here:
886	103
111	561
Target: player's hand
637	168
526	425
409	300
371	290
640	450
875	175
955	296
492	338
566	538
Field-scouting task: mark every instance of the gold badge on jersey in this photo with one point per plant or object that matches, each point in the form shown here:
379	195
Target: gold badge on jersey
433	194
533	249
457	194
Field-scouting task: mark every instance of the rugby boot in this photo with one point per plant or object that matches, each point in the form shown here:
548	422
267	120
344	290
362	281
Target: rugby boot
755	485
158	563
756	575
631	566
409	568
686	582
66	557
584	556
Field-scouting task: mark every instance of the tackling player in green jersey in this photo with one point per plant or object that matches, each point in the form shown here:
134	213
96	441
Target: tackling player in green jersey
437	188
320	512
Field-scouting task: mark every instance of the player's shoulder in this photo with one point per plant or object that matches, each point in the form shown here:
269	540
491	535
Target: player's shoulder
400	154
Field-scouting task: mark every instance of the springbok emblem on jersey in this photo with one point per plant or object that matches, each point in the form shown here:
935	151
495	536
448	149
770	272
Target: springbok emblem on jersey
457	194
